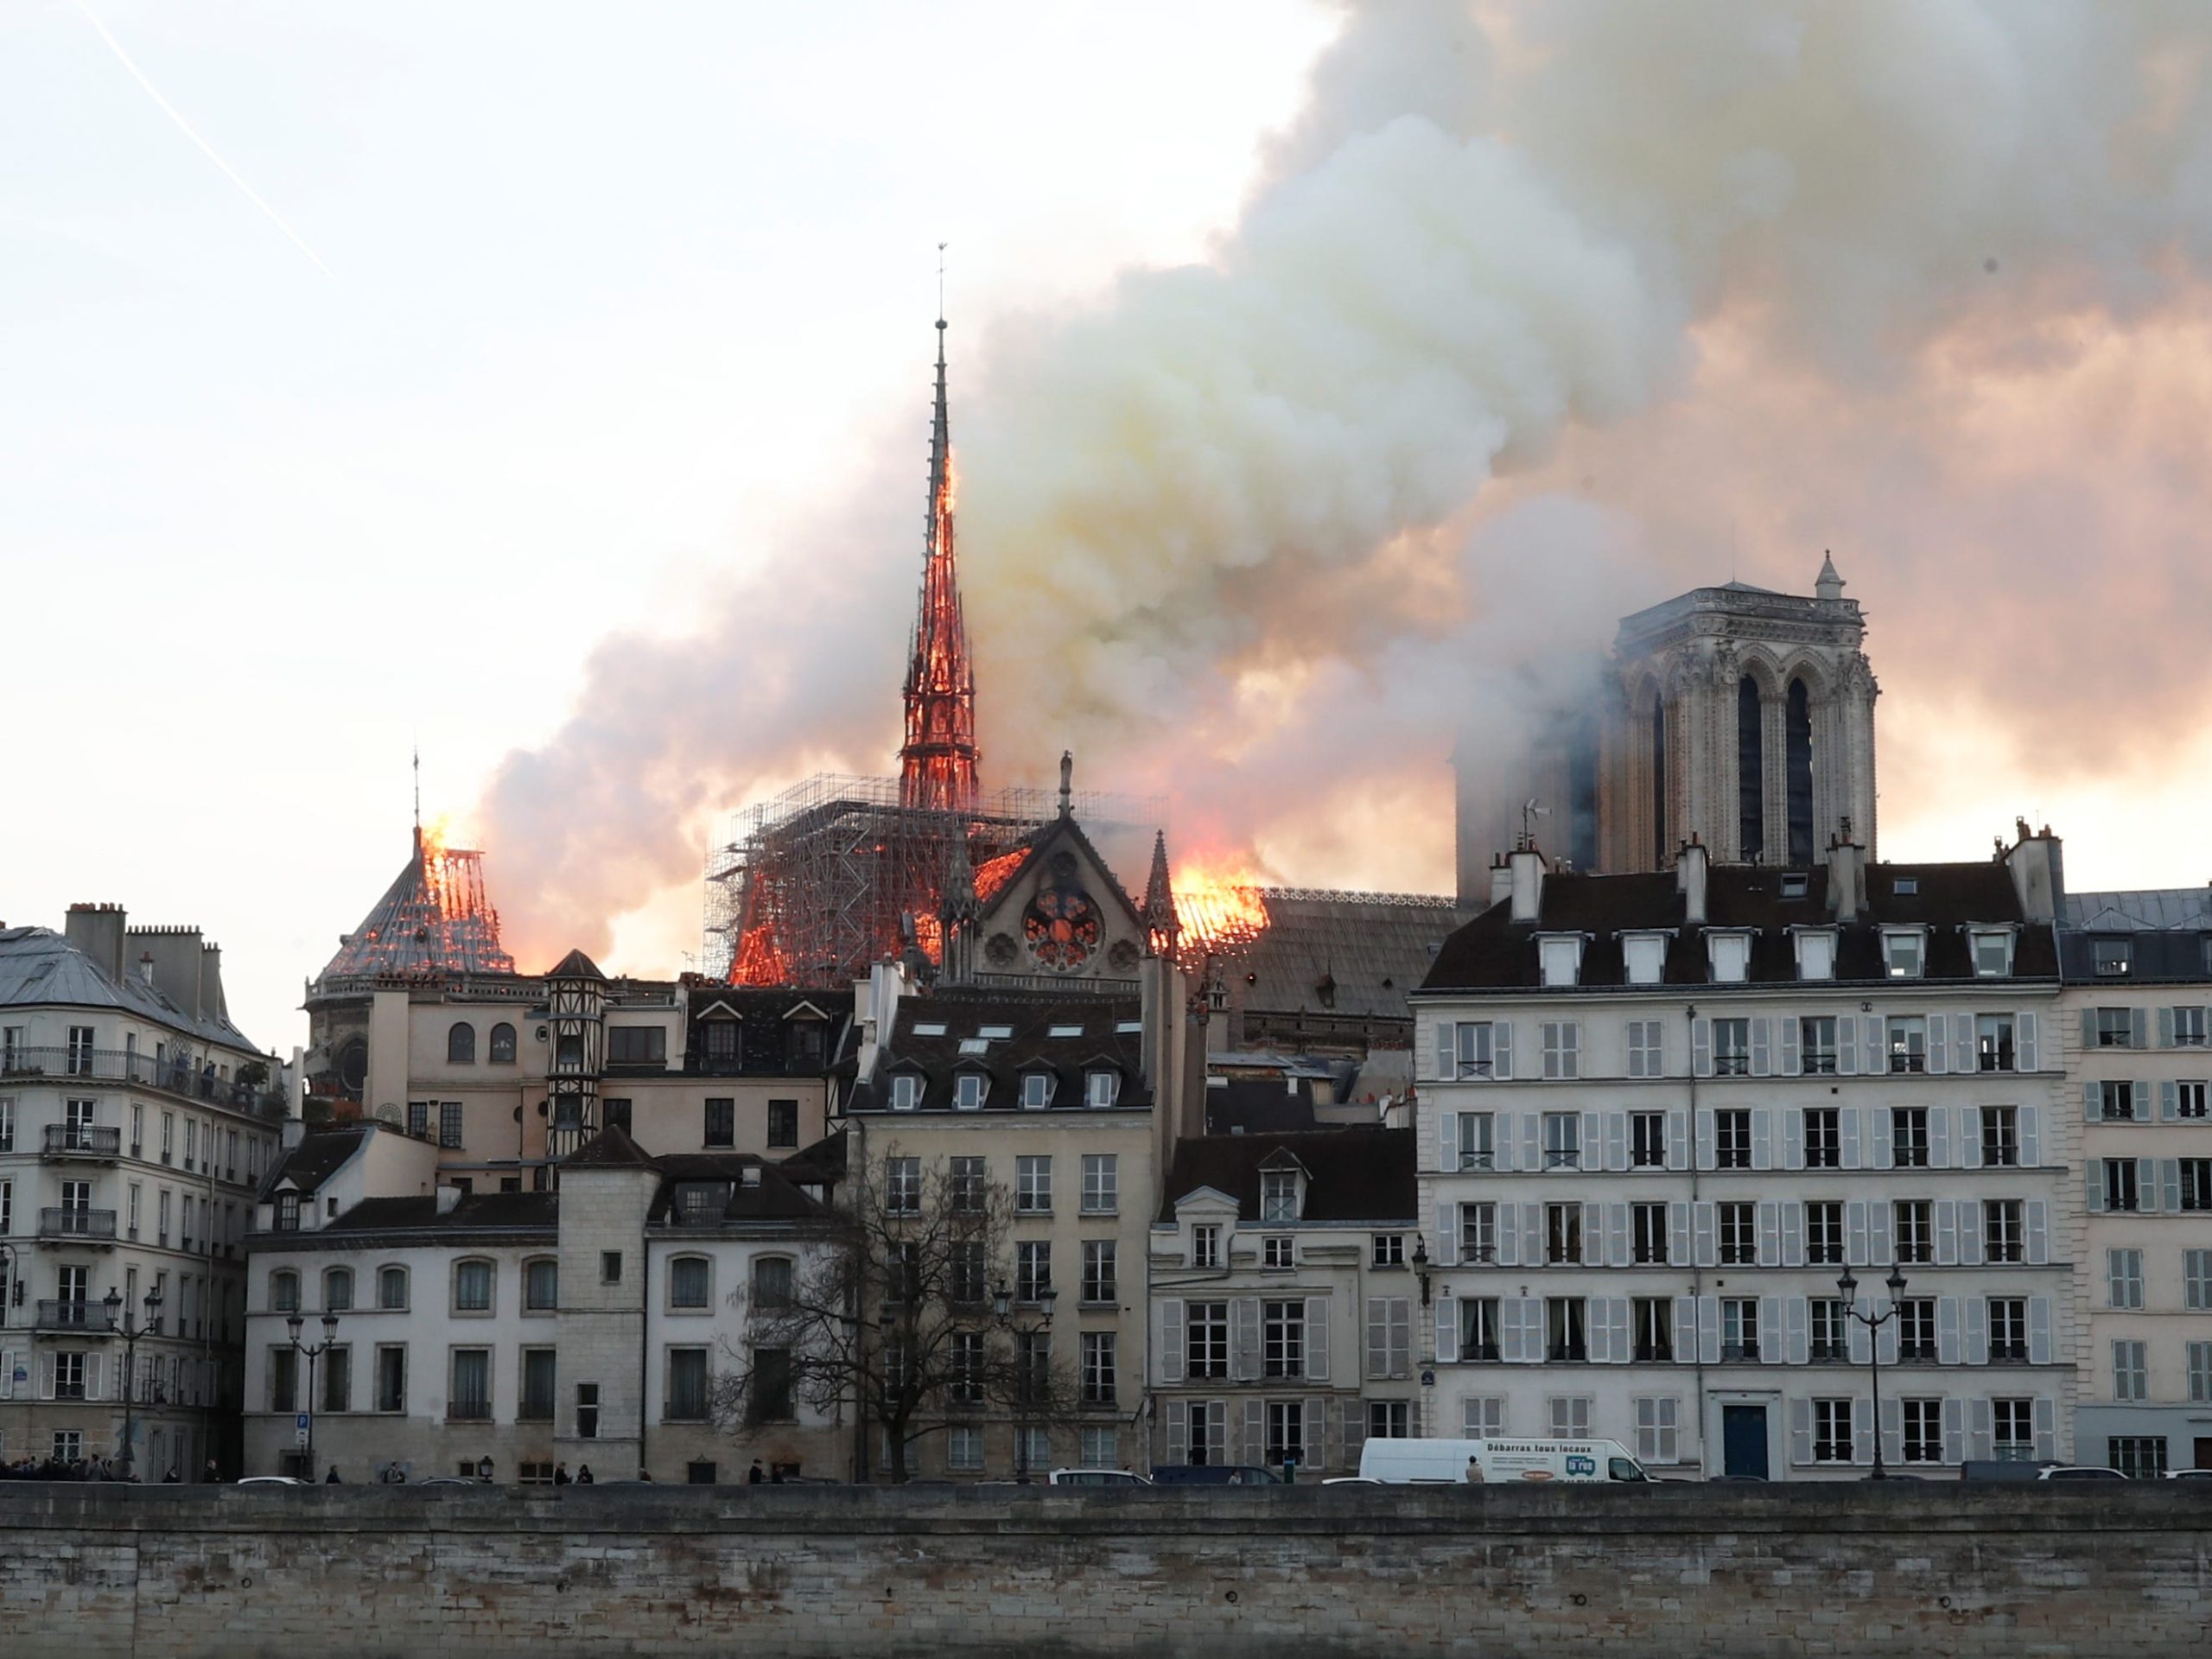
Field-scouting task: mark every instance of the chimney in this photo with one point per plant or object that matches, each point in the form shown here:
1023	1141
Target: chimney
293	1130
1501	881
2037	866
211	984
447	1197
98	929
1525	873
146	966
1689	880
1847	876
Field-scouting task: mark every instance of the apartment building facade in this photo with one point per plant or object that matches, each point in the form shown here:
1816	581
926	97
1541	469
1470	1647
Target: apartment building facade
2138	970
136	1121
1288	1282
1662	1115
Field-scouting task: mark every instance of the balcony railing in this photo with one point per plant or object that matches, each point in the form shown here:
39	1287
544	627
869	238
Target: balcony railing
76	1224
169	1075
74	1316
79	1141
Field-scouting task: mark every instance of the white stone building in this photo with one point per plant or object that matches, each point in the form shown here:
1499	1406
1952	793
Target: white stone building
1285	1277
136	1121
2135	1025
584	1326
1660	1113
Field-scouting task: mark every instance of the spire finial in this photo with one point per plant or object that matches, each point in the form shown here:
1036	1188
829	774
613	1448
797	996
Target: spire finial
1067	782
418	795
1827	584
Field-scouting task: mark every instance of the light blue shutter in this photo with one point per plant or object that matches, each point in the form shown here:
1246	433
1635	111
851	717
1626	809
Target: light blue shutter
2169	1096
1685	1331
1793	1233
1938	1059
1862	1430
1705	1140
1500	1141
1512	1340
2138	1099
1701	1047
1972	1222
1507	1235
1787	1031
1447	1054
1939	1137
1793	1138
1761	1139
2165	1027
2046	1410
1847	1047
1244	1338
1874	1060
2038	1329
1592	1153
1969	1137
1954	1430
1854	1233
1770	1234
2089	1029
1702	1224
2095	1197
1616	1140
2137	1028
1947	1232
1678	1233
1178	1432
1447	1234
1975	1348
1532	1233
1762	1047
1847	1135
2146	1184
1531	1142
1170	1340
1886	1339
1447	1331
1946	1330
1773	1349
1980	1428
1447	1143
1678	1139
2024	1032
1317	1338
1962	1043
1501	1050
2030	1137
1892	1428
2090	1102
1708	1329
1879	1251
1801	1429
2170	1185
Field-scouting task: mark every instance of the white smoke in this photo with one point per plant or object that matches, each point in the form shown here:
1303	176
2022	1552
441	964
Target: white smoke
1225	532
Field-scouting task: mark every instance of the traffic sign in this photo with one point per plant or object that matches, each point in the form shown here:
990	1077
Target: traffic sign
300	1428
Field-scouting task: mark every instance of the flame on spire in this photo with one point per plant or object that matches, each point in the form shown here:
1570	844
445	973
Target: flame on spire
937	764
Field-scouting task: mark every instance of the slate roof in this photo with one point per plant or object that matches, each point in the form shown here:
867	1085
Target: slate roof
2169	933
763	1020
1494	952
775	1196
319	1155
38	966
1031	1017
1251	1105
513	1212
1353	1174
2183	909
1343	953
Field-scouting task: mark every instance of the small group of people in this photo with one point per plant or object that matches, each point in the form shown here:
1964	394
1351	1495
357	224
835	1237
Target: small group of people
111	1468
756	1477
584	1476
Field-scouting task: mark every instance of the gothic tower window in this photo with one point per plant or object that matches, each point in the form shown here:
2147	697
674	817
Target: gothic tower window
1797	729
1750	771
1659	848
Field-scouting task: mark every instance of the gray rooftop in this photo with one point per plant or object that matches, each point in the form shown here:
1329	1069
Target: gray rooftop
2145	910
1344	953
38	966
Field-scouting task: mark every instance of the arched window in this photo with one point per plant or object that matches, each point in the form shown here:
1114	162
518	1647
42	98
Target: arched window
460	1045
338	1290
503	1044
771	1282
284	1292
1751	771
391	1289
1798	749
472	1286
690	1282
1660	850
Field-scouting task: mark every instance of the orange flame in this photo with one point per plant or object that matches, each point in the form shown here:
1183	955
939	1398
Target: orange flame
1219	911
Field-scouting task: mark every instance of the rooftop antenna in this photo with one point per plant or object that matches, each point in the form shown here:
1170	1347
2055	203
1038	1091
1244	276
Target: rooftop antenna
940	283
418	787
1530	811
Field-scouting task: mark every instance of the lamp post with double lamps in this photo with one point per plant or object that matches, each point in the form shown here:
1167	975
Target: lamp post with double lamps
1849	1285
118	1320
313	1351
1025	1382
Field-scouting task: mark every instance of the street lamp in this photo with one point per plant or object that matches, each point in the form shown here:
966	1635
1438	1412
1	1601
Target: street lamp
151	1327
1873	1322
313	1351
1002	1311
483	1469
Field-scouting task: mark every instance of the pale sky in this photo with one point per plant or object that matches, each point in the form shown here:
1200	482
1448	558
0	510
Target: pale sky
628	305
617	291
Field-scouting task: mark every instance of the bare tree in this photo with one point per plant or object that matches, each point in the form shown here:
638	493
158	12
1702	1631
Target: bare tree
897	1308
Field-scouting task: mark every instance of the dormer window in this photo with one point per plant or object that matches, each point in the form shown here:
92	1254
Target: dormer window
1036	1090
718	1041
2115	959
969	1090
1644	956
1815	953
1796	884
1558	958
1729	957
1278	1195
1904	952
906	1092
1101	1088
1992	952
288	1212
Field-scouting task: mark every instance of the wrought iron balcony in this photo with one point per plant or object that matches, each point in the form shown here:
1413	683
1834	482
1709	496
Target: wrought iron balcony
98	1225
64	1140
91	1317
168	1075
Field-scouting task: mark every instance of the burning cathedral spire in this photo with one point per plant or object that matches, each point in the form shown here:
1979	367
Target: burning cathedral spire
937	763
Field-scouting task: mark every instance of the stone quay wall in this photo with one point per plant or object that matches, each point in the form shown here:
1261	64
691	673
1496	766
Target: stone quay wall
1927	1570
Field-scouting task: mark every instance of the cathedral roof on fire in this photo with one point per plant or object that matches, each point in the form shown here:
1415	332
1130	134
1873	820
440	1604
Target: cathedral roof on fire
434	918
1353	954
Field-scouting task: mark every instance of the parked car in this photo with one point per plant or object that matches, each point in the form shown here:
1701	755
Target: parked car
273	1480
1446	1462
2188	1474
1098	1477
2075	1471
1213	1474
2002	1469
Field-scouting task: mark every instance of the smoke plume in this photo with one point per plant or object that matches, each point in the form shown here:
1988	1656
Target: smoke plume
1753	278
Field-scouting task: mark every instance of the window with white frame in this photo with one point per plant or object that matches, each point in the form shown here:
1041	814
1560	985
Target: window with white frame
1100	1446
2198	1356
1101	1088
1731	1048
1992	952
1032	1268
1912	1223
1816	1045
1477	1232
1206	1344
1099	1364
1647	1234
1286	1432
1994	1048
906	1092
1739	1327
1477	1145
2130	1372
1560	958
1824	1233
969	1090
1738	1229
1102	1183
1645	957
2190	1026
1282	1328
902	1186
1815	952
1206	1244
1563	1234
1562	1048
1033	1184
1562	1133
1101	1279
1483	1418
1908	1043
2112	958
1276	1250
1924	1430
2012	1429
2190	1099
1823	1137
1730	957
1036	1090
689	1284
963	1448
1278	1195
2001	1137
1658	1438
1645	1048
2124	1278
2115	1028
2003	1229
1569	1416
1916	1329
472	1286
1904	952
1647	1140
1831	1431
1909	1137
1389	1419
1390	1250
1475	1049
1732	1138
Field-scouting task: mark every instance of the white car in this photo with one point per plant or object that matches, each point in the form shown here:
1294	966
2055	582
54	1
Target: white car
273	1480
1097	1478
2078	1472
2188	1474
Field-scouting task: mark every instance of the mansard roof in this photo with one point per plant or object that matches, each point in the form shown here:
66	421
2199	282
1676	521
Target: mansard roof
1495	952
763	1017
320	1155
1067	1035
1357	1174
38	966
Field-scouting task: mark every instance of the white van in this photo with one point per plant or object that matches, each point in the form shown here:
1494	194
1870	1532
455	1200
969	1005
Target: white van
1401	1463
